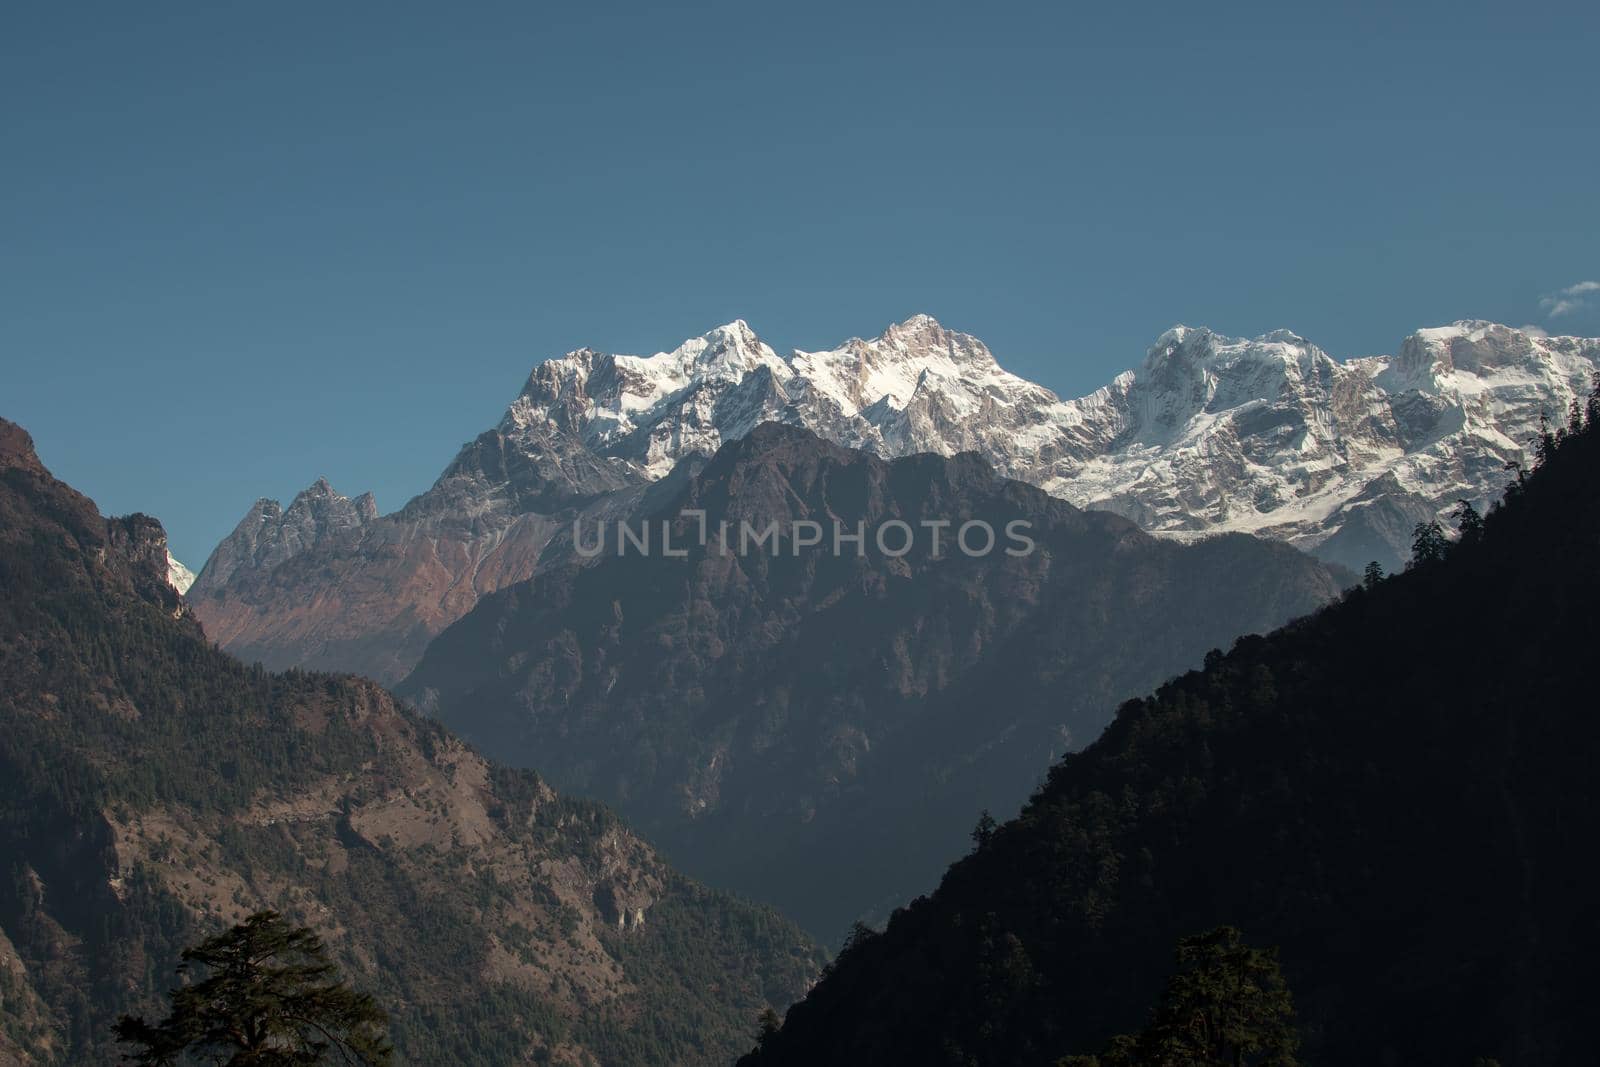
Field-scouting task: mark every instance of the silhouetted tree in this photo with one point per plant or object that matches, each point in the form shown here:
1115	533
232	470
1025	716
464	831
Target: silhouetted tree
1468	521
1545	442
983	833
1373	575
768	1024
1428	543
271	999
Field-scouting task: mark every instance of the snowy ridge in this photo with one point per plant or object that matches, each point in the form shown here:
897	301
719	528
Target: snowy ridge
1208	435
178	576
1211	434
916	388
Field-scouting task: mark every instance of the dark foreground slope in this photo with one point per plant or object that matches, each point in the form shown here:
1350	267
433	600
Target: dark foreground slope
822	728
153	789
1399	792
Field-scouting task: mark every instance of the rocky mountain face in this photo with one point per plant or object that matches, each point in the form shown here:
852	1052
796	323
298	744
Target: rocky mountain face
1272	436
154	790
1209	435
327	583
1396	794
819	724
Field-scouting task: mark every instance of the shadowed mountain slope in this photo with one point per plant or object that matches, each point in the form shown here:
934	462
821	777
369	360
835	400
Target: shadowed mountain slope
821	728
1398	792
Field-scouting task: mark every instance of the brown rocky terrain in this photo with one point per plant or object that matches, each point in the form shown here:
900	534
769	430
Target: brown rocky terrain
329	584
154	789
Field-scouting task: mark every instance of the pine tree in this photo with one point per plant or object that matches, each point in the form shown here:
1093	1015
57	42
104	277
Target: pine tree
1428	543
983	832
768	1024
271	998
1373	575
1468	521
1228	1006
1545	443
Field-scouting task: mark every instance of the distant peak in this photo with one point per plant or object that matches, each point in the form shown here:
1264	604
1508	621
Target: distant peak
922	335
1198	344
321	499
1178	334
1475	346
731	346
178	576
584	355
321	489
16	448
736	335
917	327
1175	339
1465	328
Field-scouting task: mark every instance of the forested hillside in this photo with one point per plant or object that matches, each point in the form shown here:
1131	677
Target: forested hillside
1398	793
154	790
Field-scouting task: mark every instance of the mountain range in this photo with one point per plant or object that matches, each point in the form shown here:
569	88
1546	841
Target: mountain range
1391	787
818	725
1209	435
154	789
1395	796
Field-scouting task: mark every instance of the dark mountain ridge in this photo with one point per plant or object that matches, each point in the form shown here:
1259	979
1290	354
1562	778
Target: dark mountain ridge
1398	792
820	729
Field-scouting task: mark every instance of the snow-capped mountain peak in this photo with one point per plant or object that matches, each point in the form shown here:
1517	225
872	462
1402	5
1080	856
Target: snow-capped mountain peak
1210	433
178	576
650	411
1272	435
1473	347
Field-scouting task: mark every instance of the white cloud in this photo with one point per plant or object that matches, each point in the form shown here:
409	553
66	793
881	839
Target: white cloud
1566	301
1534	331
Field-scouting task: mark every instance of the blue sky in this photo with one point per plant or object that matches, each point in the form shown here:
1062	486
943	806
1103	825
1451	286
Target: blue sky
244	245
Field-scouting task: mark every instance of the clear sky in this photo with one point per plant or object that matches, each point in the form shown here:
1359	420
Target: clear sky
244	245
